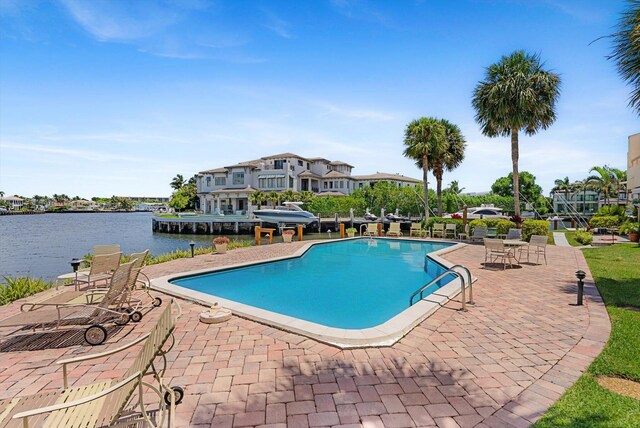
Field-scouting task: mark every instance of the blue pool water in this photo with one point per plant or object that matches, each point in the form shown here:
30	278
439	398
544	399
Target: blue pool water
350	284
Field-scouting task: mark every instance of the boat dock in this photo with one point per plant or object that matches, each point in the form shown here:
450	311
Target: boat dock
210	225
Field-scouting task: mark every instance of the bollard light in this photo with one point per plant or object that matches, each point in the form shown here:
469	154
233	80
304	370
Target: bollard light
75	264
580	275
192	245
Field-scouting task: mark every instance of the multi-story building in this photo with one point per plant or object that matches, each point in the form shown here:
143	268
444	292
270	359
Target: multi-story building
633	167
583	202
15	202
228	189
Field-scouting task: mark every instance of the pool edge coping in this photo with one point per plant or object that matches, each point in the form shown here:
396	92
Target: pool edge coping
385	334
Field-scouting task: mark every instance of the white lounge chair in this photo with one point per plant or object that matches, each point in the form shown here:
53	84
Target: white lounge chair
394	230
450	229
437	229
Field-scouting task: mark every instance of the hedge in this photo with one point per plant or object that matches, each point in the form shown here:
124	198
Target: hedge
605	221
585	238
535	227
502	226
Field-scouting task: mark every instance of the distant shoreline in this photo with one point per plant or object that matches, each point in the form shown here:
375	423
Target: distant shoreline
71	212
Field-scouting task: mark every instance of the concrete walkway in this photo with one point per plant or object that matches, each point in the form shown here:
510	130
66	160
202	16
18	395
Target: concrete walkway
501	364
560	239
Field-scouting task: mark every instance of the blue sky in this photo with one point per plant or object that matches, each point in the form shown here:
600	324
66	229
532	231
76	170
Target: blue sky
112	97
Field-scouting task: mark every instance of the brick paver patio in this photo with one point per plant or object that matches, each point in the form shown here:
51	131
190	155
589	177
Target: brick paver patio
501	364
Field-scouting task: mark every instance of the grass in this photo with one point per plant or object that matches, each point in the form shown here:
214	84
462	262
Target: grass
587	404
183	254
18	287
571	237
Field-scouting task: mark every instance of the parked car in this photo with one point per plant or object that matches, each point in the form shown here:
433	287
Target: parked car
481	212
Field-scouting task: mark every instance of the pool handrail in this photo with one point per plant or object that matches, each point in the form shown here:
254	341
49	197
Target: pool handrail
439	277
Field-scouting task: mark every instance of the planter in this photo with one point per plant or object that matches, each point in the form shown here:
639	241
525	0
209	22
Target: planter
351	234
633	237
287	238
221	248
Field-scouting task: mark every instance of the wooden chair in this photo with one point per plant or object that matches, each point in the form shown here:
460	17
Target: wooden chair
106	403
437	229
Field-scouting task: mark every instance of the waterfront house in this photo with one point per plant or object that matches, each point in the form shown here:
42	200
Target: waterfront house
228	189
15	202
633	167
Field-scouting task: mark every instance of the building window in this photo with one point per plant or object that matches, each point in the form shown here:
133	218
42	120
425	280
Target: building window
280	182
360	185
300	163
308	166
341	184
220	181
238	178
326	184
271	183
279	164
208	181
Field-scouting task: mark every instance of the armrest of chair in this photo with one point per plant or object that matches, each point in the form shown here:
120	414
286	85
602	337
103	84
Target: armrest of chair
95	356
84	400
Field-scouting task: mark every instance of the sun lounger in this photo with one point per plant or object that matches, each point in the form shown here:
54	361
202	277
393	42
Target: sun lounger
479	233
102	267
371	230
437	230
450	229
394	230
417	230
111	308
100	250
106	403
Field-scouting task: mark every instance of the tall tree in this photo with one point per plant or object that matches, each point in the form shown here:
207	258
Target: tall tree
450	158
626	45
563	185
258	197
454	187
603	182
424	138
516	95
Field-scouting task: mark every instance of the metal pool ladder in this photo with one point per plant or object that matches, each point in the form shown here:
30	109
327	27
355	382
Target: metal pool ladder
453	270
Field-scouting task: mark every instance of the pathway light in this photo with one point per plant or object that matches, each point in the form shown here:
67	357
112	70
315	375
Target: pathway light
580	275
192	245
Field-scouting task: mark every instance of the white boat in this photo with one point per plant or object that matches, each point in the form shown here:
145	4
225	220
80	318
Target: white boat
290	213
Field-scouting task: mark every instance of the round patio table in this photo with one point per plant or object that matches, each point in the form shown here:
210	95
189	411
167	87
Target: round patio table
514	244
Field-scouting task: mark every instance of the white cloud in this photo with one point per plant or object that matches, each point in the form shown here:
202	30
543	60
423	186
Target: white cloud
277	24
353	113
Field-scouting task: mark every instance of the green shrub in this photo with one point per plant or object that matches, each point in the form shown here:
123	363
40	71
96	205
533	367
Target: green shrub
428	224
183	254
629	227
17	287
535	227
475	223
605	221
585	238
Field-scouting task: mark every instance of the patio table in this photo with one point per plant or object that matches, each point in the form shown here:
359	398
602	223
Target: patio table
514	244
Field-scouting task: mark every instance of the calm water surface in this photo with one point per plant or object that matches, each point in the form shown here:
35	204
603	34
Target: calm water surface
43	245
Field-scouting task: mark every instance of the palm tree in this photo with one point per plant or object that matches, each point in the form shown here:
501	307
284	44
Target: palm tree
626	42
517	94
565	186
454	187
273	197
450	158
604	182
306	196
289	195
258	197
423	138
178	182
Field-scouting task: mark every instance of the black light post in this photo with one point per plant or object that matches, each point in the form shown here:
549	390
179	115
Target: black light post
75	264
580	275
192	245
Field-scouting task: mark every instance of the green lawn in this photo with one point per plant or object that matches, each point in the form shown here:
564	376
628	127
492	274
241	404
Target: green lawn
571	237
586	404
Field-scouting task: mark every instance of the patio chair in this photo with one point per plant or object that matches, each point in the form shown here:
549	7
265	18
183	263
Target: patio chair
479	233
139	283
492	232
417	230
109	402
537	243
111	308
99	250
437	229
102	267
450	229
371	230
514	234
394	230
494	250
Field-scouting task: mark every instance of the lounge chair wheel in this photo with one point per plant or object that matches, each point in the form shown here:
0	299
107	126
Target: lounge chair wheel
179	395
136	316
95	334
122	319
156	302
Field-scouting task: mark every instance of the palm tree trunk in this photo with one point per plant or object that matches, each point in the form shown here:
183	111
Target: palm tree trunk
425	172
438	175
516	179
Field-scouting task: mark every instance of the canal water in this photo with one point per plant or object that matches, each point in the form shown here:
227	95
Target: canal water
43	245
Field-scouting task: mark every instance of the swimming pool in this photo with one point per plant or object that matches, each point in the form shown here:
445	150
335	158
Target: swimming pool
349	293
352	284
